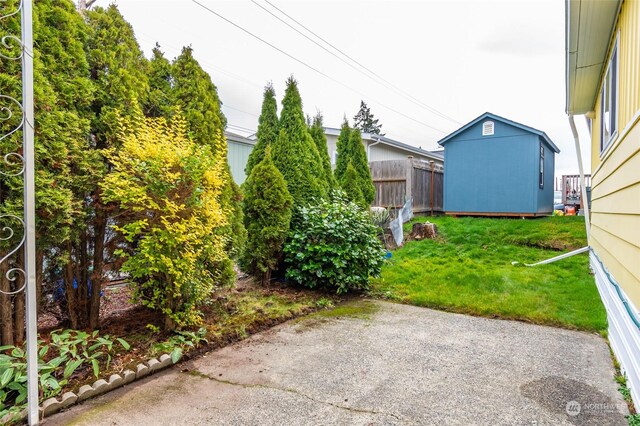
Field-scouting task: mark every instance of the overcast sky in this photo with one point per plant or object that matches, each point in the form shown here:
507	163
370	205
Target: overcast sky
457	58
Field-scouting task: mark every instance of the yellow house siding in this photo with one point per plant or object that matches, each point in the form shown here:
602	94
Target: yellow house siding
624	201
624	277
615	196
621	226
626	168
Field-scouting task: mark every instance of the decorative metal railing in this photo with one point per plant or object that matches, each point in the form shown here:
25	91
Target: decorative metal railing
20	163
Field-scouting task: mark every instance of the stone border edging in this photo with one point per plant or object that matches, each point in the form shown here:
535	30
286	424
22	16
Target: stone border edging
99	387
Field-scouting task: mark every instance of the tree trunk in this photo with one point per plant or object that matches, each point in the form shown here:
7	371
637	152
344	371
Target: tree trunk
19	301
70	292
6	311
19	318
266	277
83	5
98	264
39	268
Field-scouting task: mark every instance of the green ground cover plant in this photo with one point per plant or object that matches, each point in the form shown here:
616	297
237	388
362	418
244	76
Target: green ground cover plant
468	270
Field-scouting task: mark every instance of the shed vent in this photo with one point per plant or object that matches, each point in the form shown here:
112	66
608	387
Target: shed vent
487	128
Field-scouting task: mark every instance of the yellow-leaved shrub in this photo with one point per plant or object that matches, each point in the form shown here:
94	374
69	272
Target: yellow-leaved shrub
166	190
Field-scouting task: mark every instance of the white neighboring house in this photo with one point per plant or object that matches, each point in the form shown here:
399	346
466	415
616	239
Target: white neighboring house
381	148
378	148
239	148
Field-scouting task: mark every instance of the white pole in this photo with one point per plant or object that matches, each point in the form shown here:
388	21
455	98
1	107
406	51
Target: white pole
583	195
29	212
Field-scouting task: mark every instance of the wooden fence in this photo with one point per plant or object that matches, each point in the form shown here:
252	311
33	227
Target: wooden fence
397	180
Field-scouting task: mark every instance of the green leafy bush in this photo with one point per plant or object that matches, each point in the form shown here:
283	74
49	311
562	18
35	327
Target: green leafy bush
179	342
167	191
333	244
68	351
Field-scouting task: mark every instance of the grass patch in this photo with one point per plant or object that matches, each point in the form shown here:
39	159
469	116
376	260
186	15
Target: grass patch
468	270
354	309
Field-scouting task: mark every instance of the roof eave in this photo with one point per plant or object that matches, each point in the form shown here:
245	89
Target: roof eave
589	29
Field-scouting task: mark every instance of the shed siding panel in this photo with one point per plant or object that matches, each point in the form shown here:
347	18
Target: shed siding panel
492	174
543	195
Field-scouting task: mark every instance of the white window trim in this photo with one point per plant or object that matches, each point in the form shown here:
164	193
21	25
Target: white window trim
541	159
606	145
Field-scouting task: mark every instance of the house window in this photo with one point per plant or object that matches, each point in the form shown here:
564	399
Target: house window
335	157
609	102
541	172
487	128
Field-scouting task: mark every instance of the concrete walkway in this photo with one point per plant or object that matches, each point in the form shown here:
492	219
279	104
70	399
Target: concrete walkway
401	365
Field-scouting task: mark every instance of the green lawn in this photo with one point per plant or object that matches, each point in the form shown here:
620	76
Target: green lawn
469	270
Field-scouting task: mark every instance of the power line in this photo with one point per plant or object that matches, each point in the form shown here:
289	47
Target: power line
309	66
397	89
240	110
241	128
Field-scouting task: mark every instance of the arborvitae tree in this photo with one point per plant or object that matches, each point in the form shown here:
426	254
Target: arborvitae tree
159	102
341	148
267	128
365	122
320	139
351	150
197	97
267	209
295	153
62	92
118	70
352	186
358	157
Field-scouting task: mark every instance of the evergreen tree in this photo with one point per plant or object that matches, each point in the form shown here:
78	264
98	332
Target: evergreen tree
267	128
341	147
63	93
117	68
159	102
317	133
351	150
197	97
267	207
365	122
352	187
295	153
358	157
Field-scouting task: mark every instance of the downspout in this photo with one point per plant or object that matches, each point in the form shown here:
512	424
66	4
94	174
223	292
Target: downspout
369	148
587	215
587	221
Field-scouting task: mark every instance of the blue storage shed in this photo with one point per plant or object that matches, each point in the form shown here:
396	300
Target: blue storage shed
497	167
